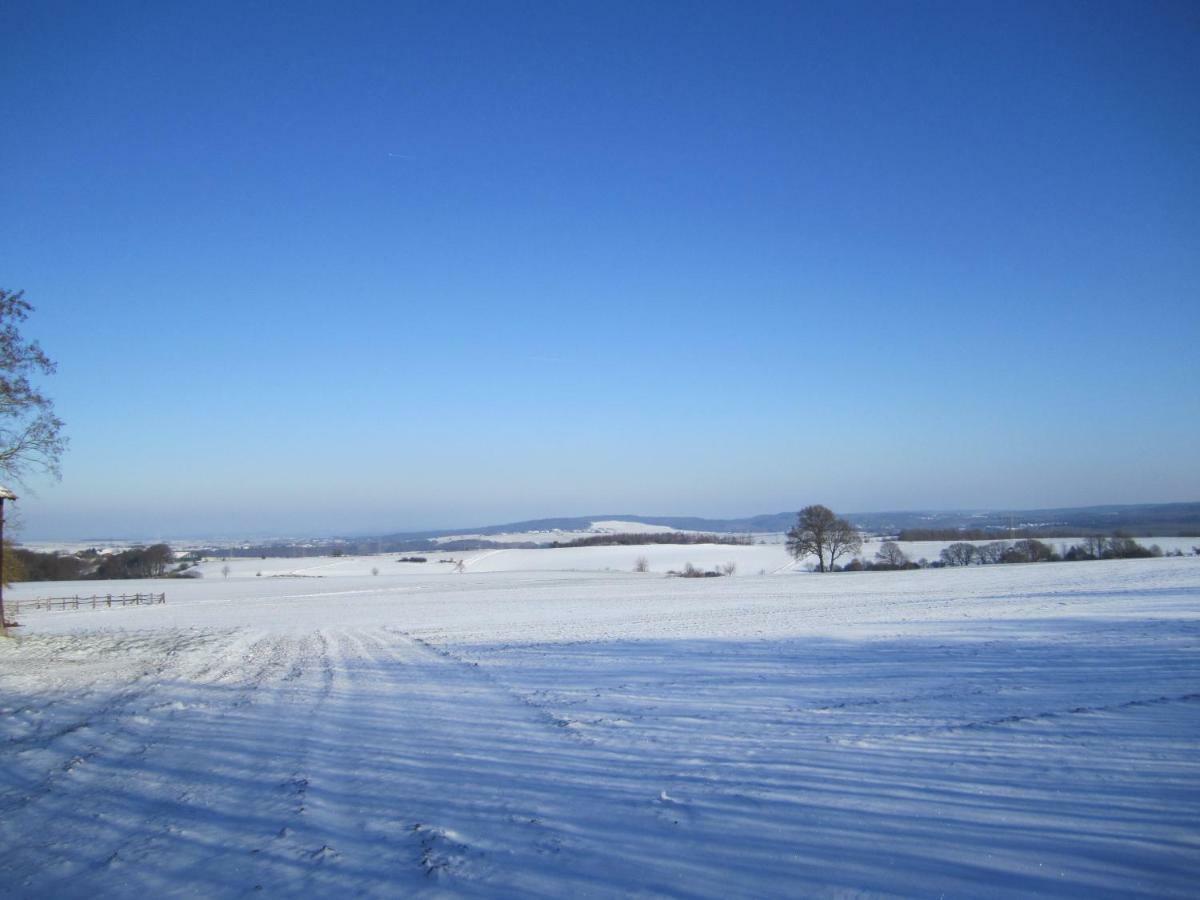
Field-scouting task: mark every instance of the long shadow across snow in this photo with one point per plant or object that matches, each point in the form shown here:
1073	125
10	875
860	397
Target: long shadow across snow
1054	758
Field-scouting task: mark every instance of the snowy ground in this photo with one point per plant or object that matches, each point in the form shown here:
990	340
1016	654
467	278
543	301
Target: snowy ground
1008	730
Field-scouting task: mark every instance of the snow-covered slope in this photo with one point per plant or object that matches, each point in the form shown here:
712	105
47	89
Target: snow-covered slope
1010	730
560	535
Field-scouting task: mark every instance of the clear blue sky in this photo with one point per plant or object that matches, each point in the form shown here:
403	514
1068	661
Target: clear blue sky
343	267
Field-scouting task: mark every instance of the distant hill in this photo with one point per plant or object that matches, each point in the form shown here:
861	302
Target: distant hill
1141	520
1153	519
1149	519
766	523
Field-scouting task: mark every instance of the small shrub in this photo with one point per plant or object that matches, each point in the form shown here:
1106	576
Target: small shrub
690	571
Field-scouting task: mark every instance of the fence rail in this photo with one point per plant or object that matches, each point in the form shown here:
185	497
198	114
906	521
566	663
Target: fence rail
96	601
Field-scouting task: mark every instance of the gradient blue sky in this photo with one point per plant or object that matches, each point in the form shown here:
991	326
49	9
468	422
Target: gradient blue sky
315	268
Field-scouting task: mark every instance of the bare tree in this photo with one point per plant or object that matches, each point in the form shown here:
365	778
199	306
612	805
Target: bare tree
225	570
959	554
30	433
729	568
992	553
641	564
156	559
890	554
821	533
1031	550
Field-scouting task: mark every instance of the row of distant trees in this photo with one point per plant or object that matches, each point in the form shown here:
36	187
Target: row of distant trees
154	561
1032	550
822	533
1026	550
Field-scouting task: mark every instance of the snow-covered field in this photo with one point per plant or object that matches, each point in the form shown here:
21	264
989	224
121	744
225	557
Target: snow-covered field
522	729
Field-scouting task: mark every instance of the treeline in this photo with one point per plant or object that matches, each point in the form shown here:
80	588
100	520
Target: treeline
980	534
1026	550
360	548
661	537
1033	550
154	561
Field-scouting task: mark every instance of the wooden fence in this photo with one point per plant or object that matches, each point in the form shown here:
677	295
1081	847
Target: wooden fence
96	601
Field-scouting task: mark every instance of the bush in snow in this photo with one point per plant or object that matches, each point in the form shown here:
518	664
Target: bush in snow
690	571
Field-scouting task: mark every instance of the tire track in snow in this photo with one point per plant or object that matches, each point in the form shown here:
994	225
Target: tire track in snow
1001	721
585	816
428	776
90	730
163	785
539	711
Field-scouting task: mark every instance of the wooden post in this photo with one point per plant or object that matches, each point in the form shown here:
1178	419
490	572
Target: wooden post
5	494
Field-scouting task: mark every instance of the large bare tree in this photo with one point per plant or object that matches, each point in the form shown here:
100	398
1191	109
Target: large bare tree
822	533
890	554
31	438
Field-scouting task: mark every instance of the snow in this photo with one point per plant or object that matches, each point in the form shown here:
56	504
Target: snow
538	726
615	526
548	536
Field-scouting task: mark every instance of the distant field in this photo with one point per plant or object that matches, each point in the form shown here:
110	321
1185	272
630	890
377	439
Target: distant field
768	558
